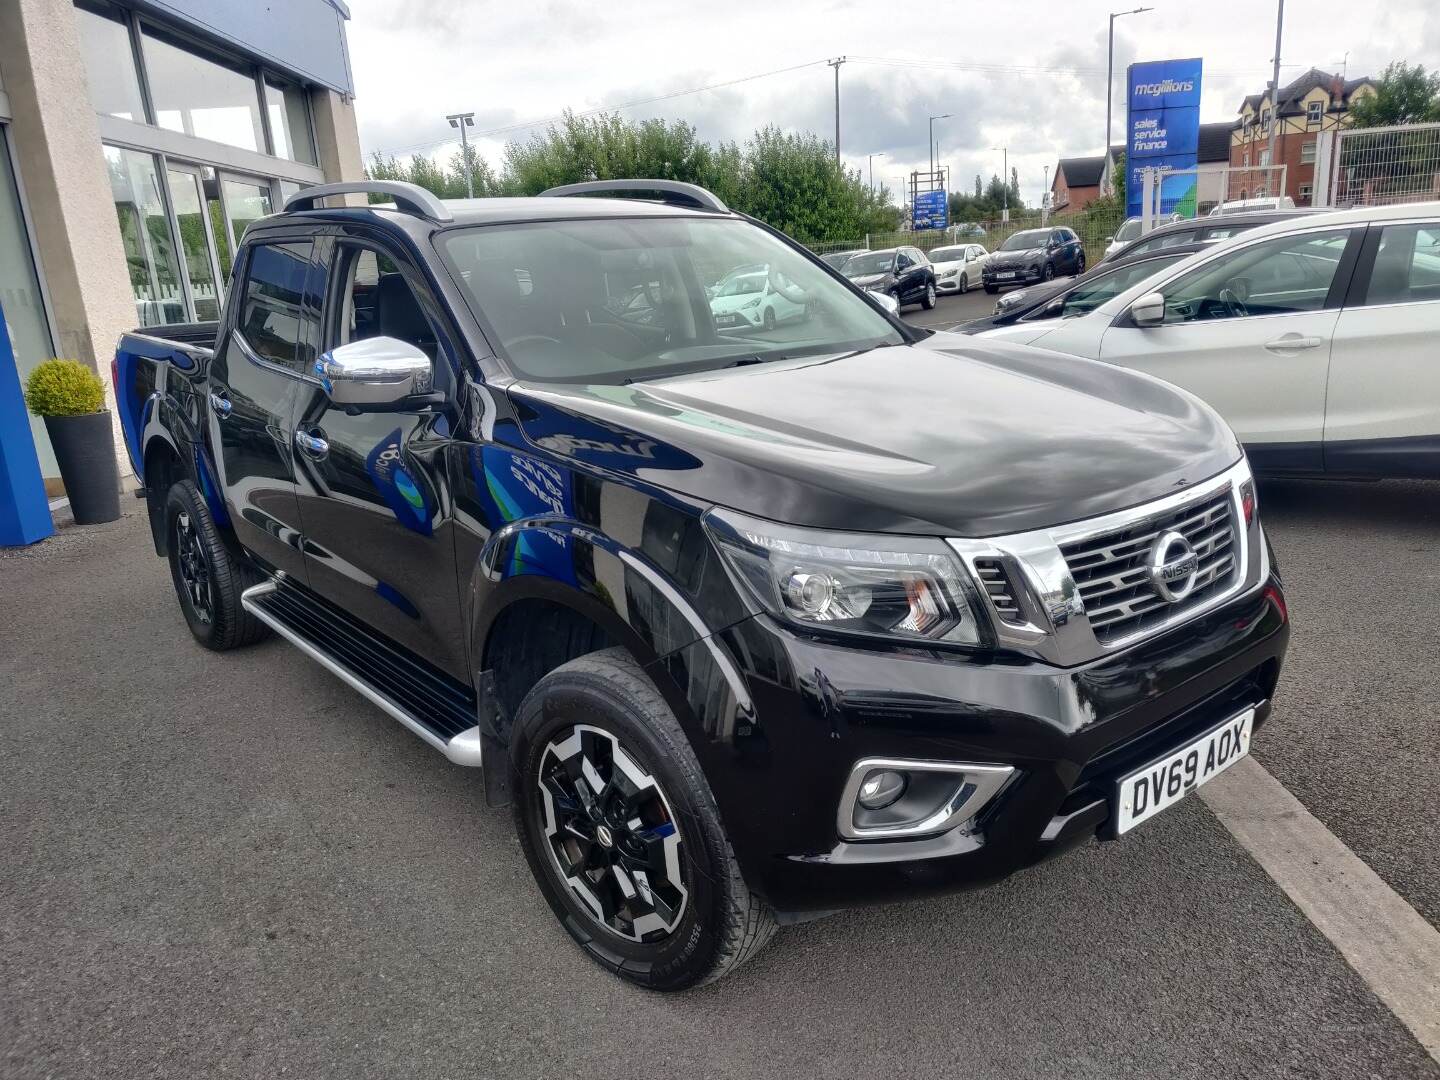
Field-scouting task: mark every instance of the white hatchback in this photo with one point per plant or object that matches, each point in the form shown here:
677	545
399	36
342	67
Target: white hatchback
1316	338
957	268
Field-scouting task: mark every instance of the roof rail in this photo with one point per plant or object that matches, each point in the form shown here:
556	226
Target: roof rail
670	191
408	197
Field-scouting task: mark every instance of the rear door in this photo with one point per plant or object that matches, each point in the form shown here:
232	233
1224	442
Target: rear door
264	354
376	506
1382	414
1249	331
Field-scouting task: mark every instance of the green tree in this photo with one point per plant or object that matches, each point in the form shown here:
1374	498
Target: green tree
1405	94
1120	177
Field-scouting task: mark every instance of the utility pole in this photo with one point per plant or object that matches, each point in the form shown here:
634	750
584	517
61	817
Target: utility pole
1110	73
871	158
1004	183
1275	92
836	65
463	121
1045	198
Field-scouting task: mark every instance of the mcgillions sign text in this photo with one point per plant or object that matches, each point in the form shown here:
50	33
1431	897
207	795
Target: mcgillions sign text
1163	131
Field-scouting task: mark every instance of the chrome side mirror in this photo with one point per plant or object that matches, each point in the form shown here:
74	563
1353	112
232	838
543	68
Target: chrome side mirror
374	371
1149	310
888	302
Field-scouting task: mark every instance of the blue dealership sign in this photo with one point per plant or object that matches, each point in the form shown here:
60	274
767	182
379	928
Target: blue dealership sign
932	210
1163	130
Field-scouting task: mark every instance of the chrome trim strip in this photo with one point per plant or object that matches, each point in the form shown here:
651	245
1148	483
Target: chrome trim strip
463	749
1057	627
983	783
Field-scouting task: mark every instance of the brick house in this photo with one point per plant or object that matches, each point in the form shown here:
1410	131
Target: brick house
1076	184
1315	102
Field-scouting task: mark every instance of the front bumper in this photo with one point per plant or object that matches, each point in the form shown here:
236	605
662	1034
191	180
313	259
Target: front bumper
1023	275
818	707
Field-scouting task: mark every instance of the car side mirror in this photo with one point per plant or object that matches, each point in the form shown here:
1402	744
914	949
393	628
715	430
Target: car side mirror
374	371
1148	310
1054	307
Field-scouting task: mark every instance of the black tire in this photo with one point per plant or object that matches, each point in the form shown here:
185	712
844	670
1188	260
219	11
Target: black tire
604	703
207	577
928	303
992	289
964	284
1080	265
1049	274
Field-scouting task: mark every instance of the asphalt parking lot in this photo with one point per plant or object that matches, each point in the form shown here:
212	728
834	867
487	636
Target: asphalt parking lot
233	866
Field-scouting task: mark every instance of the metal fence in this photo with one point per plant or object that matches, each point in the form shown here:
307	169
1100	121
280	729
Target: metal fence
1377	166
1095	228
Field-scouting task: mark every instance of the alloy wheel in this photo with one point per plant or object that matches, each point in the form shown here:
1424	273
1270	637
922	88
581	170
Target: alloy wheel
194	568
611	834
930	295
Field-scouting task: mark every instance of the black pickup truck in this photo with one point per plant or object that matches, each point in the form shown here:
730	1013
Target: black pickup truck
749	619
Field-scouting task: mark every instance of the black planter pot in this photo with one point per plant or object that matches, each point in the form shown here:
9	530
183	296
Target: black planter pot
86	455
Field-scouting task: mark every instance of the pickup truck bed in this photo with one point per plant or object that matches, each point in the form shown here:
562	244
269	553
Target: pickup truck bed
138	373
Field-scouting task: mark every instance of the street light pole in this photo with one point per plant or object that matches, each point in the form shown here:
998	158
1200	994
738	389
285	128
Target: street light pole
871	160
463	121
1004	182
942	116
1110	72
836	65
1275	91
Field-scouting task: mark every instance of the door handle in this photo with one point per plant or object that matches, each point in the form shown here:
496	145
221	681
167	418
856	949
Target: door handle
221	405
1293	342
312	444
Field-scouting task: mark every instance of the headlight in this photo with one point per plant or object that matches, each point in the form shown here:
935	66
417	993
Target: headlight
904	587
751	303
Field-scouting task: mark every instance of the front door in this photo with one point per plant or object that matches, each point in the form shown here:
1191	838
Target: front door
1249	332
374	500
261	362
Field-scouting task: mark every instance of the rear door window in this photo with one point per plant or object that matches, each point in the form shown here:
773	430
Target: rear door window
1407	266
280	306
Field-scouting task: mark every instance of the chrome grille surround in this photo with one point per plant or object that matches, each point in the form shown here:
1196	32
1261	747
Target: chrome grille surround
1076	592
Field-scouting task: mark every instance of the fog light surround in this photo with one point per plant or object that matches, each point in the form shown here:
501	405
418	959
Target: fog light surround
909	799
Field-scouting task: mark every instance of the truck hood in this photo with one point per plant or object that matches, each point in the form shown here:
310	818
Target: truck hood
950	436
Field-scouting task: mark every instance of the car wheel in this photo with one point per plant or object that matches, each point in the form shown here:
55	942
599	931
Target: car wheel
992	289
964	284
1049	274
622	832
929	302
769	319
1080	265
207	576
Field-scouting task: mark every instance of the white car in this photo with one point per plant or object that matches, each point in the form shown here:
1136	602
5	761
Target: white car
1239	206
1130	230
757	299
1316	338
957	268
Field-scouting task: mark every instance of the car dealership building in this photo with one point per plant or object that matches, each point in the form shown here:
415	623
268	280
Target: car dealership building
137	141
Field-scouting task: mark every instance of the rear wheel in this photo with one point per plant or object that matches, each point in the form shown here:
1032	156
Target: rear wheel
929	302
621	830
208	578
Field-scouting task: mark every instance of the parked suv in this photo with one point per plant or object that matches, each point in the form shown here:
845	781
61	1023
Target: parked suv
903	273
745	626
1034	255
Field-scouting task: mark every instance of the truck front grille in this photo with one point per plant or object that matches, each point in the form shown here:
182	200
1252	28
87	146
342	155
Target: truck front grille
1113	578
995	580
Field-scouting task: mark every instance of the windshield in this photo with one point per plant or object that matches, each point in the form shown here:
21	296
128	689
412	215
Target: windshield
613	300
1024	241
1104	286
1128	231
874	262
950	254
839	258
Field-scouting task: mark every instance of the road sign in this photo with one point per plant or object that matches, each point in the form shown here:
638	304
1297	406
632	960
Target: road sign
932	210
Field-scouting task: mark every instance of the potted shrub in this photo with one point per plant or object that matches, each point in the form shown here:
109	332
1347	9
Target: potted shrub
71	398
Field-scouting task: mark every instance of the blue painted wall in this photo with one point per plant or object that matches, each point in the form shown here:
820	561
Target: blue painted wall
305	37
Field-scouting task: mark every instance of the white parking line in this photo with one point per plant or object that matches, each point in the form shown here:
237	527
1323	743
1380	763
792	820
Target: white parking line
1382	937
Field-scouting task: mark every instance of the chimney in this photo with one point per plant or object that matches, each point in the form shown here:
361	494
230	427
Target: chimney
1337	89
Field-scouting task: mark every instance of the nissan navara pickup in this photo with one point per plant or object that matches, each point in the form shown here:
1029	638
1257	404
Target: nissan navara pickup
747	619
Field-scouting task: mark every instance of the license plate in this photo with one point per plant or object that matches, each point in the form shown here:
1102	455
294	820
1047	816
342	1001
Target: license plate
1007	274
1163	783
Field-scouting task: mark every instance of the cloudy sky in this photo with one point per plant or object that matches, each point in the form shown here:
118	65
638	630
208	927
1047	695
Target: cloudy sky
1027	76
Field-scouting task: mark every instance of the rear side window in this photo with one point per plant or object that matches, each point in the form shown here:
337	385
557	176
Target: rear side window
280	308
1407	265
1165	240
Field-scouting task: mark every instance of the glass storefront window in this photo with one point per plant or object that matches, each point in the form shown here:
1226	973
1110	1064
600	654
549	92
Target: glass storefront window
244	202
201	96
145	231
23	307
289	121
195	242
110	64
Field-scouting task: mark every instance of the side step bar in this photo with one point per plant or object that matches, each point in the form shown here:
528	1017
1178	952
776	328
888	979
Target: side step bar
428	702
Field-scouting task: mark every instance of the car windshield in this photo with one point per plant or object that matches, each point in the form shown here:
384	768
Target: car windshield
1024	241
839	258
610	301
950	254
1088	295
1128	231
873	262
